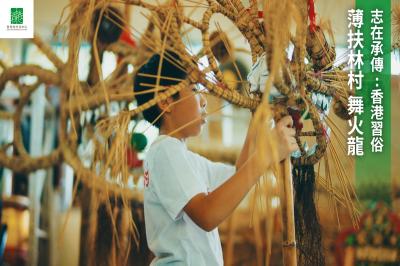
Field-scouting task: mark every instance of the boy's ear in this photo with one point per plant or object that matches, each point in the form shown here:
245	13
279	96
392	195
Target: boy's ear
165	105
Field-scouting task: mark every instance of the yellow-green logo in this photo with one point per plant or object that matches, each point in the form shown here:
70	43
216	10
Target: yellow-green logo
17	15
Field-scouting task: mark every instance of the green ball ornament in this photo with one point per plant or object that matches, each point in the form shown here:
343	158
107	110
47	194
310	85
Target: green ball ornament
350	240
138	141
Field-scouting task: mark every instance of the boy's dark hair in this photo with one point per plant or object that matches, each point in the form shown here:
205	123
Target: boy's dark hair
110	24
220	46
171	67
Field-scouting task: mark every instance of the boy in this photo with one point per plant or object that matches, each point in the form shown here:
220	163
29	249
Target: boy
187	196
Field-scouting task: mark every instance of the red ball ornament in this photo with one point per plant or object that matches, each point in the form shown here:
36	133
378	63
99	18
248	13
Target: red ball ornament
132	159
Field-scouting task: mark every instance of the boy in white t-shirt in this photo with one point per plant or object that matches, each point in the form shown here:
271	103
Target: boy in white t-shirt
187	196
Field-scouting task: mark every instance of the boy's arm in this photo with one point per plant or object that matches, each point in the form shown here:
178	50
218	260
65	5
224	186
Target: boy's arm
209	210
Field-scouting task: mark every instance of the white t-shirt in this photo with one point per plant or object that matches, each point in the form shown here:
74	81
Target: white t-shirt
173	176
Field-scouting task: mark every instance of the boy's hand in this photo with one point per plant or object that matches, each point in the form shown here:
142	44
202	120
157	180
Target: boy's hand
285	137
281	138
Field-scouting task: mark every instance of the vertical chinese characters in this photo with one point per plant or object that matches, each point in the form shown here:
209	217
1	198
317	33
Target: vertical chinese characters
355	139
377	64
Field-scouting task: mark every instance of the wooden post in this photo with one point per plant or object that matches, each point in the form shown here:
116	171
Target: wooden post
230	240
289	233
37	178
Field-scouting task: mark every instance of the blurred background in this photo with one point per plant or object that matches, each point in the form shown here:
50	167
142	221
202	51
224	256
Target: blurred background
45	221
